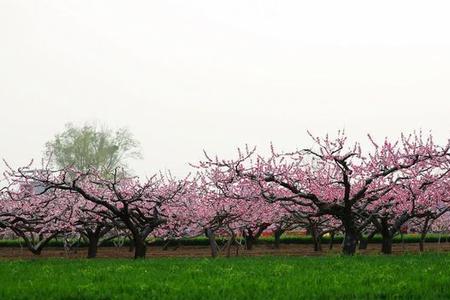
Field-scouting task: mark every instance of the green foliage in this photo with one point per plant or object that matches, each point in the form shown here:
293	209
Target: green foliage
89	147
330	277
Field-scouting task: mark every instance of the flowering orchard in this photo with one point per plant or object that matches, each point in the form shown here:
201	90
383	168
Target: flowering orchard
332	188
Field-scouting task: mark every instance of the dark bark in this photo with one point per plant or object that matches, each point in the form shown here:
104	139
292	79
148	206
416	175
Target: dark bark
364	241
131	245
386	244
318	245
140	249
316	237
387	235
140	246
230	242
251	237
35	247
350	241
140	223
249	241
277	238
421	244
93	237
212	242
351	233
330	245
423	234
36	251
139	235
402	240
92	247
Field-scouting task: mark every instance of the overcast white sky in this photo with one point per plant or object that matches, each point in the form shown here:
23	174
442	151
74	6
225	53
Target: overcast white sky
190	75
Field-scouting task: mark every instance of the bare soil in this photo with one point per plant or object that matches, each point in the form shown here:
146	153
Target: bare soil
204	251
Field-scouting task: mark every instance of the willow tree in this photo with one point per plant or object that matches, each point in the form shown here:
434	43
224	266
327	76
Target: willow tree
91	147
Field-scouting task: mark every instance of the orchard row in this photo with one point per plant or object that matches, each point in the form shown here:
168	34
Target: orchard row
333	187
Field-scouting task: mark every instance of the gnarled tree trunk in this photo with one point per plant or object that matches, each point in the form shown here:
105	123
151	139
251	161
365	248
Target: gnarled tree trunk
140	248
423	234
93	246
277	237
212	242
316	237
387	236
330	245
350	241
93	237
364	242
351	235
386	244
251	237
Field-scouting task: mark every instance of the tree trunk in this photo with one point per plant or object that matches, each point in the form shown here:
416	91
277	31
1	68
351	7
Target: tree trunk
35	248
423	234
277	235
387	236
249	238
131	246
140	248
212	242
421	244
93	246
364	242
36	251
94	237
249	242
318	245
351	234
316	240
386	244
350	241
229	244
330	246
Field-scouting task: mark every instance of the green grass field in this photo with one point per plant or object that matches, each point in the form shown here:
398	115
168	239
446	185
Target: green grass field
409	276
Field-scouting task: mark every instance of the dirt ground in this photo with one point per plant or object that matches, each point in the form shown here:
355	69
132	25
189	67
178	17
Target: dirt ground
203	251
